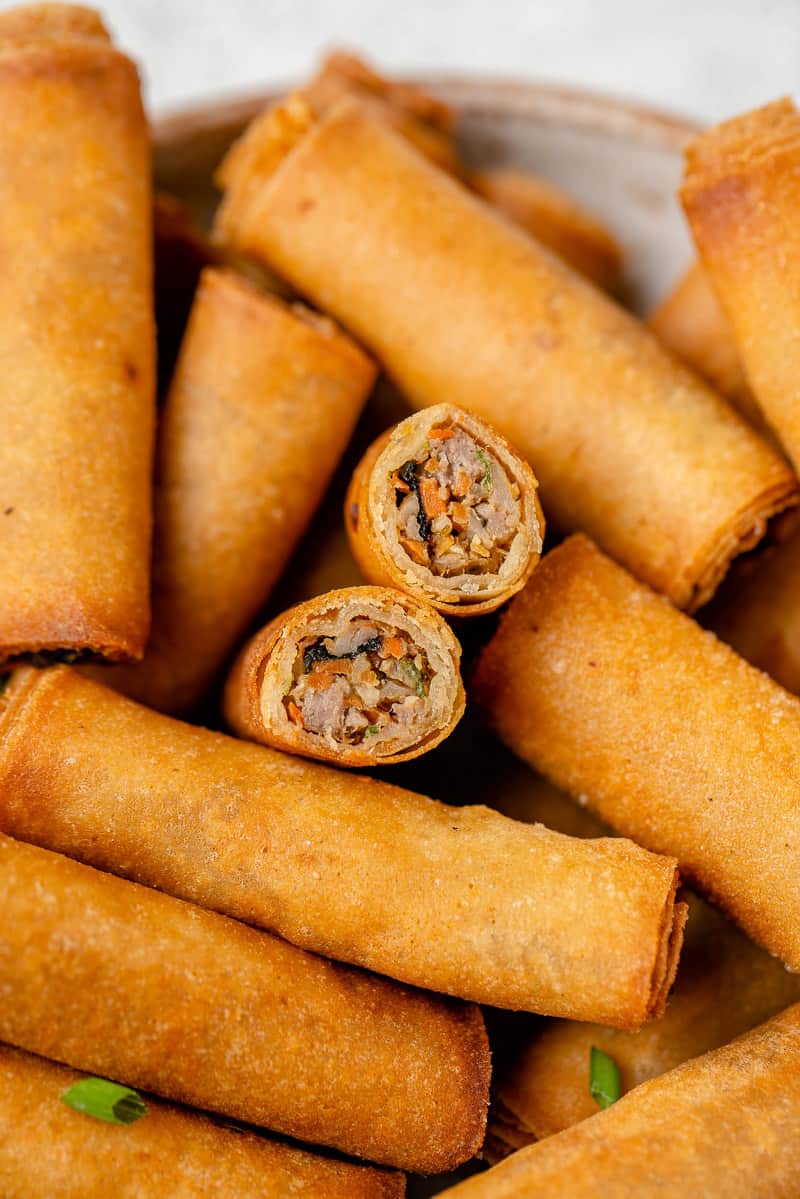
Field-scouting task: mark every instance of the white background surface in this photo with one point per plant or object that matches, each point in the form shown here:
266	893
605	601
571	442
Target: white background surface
704	58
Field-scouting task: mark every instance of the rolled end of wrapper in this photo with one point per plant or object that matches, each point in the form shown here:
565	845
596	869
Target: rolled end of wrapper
362	676
443	508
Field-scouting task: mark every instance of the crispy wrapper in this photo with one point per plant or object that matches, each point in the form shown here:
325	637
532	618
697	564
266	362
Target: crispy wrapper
261	407
120	981
726	985
726	1123
374	515
627	443
50	1149
77	340
741	193
670	736
283	692
554	219
692	323
460	900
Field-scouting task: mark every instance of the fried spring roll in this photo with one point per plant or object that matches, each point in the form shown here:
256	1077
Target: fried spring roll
726	985
441	506
48	1149
691	322
726	1123
741	193
262	405
670	736
121	981
554	219
363	676
77	338
627	443
460	900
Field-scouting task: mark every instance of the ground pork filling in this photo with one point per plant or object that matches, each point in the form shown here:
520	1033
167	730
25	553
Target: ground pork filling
359	685
457	510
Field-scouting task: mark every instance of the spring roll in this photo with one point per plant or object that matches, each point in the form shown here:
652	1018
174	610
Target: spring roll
49	1149
627	443
459	900
726	1123
726	985
76	341
208	1012
691	322
554	219
442	507
261	407
741	193
363	676
671	737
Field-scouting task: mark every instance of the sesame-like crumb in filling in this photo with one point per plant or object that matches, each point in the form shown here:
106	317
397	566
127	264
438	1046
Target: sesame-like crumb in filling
359	684
457	510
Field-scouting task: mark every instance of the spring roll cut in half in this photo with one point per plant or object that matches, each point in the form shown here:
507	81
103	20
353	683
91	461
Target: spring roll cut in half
670	736
359	676
456	899
726	1123
262	404
129	984
77	341
467	306
725	986
442	507
49	1149
741	193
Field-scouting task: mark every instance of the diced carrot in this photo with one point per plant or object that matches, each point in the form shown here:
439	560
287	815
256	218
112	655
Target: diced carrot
461	484
432	502
441	434
459	516
393	646
416	550
295	715
400	484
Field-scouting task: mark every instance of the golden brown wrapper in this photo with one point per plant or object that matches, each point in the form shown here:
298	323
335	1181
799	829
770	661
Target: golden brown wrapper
741	193
554	219
129	984
262	404
50	1149
76	340
467	306
370	517
665	732
725	986
726	1123
456	899
254	702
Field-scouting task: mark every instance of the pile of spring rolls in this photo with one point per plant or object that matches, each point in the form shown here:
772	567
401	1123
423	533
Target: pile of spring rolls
231	962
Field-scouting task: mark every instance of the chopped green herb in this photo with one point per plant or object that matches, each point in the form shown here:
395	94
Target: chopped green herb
604	1082
414	676
371	730
105	1100
486	481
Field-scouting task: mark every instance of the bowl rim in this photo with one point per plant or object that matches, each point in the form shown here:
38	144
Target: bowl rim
574	107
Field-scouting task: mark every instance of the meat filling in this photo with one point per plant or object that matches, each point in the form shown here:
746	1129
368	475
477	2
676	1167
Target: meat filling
457	510
358	685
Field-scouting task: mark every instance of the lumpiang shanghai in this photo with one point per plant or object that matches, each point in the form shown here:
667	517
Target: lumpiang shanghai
399	747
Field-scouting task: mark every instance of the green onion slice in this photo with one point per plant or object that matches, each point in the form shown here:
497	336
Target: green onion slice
604	1082
486	481
105	1100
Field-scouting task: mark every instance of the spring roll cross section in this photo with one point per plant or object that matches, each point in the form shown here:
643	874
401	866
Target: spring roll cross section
361	676
459	900
49	1149
724	1124
664	731
741	193
627	444
262	404
77	340
129	984
442	507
